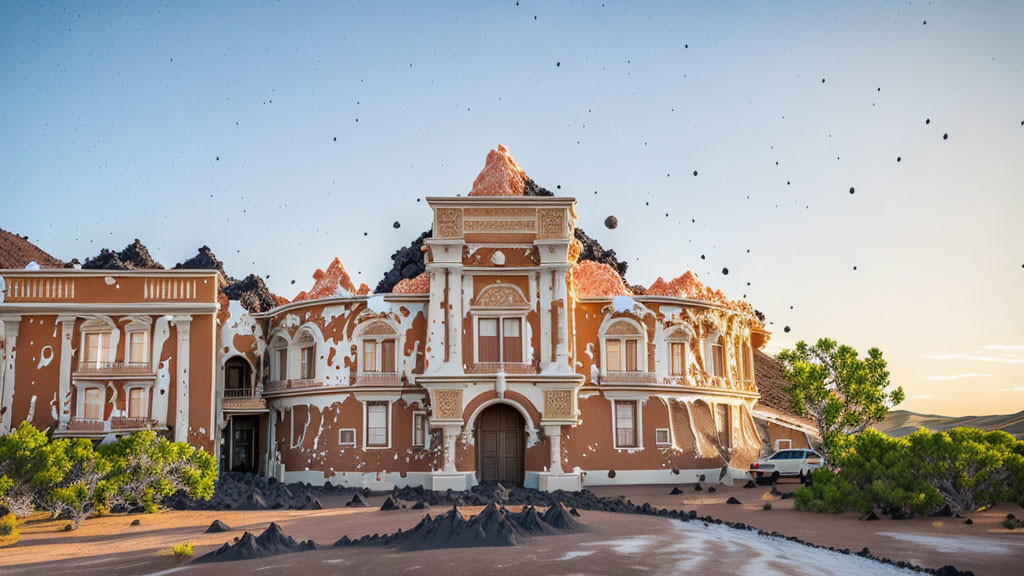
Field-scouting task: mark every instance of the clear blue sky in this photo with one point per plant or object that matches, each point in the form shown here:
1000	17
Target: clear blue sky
113	118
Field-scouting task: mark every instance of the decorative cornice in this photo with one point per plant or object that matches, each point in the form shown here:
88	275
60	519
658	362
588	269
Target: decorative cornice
61	308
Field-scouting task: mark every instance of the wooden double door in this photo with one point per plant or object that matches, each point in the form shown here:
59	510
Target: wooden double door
500	445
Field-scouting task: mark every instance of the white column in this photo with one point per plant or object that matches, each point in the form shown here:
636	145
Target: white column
544	285
562	349
11	326
182	325
67	329
455	318
451	433
434	352
554	434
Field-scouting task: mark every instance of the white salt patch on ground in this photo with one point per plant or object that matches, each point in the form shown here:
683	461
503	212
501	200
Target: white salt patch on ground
954	544
576	554
696	548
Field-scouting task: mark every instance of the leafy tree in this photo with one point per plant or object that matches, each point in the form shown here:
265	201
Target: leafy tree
970	468
83	489
29	466
146	468
842	393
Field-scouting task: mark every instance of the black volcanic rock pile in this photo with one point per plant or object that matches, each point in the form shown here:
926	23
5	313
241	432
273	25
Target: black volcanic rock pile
204	259
494	526
236	491
272	542
217	526
592	250
407	262
251	293
484	494
135	256
531	188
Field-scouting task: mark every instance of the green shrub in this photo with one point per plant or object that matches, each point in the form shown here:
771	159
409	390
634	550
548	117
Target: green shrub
964	468
182	551
8	530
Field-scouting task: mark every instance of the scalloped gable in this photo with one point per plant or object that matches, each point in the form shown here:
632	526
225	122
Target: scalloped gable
417	285
595	279
501	176
688	286
332	282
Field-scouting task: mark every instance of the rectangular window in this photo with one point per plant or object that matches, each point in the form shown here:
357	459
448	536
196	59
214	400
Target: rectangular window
625	424
419	429
282	364
377	424
97	347
678	358
93	403
137	400
387	356
369	356
347	437
748	374
138	347
512	340
722	423
233	378
631	346
718	359
613	355
489	348
661	436
308	363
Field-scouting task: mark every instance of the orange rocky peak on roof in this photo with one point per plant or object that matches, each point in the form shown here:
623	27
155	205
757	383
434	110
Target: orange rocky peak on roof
501	176
688	286
595	279
332	282
417	285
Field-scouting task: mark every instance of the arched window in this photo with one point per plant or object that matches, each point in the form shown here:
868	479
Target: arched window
714	354
677	345
306	346
237	377
279	358
623	350
379	349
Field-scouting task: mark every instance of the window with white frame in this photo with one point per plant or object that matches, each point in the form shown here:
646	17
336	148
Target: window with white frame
661	437
626	433
138	347
419	429
379	343
347	437
96	348
723	424
377	424
138	402
714	355
92	402
499	339
307	356
748	362
279	359
623	348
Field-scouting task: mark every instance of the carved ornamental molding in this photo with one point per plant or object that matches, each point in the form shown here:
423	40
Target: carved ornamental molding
558	404
448	404
553	223
502	295
448	223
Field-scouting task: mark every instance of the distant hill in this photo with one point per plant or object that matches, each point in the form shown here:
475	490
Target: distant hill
899	423
16	252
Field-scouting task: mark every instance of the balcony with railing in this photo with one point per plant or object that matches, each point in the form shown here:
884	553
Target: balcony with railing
85	425
628	377
243	399
506	367
113	368
379	379
277	386
131	423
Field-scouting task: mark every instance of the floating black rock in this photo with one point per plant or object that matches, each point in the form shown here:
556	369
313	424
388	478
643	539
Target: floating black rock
271	542
786	329
733	500
675	490
397	225
217	526
391	503
611	222
851	190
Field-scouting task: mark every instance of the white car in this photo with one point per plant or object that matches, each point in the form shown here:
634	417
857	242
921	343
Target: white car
788	462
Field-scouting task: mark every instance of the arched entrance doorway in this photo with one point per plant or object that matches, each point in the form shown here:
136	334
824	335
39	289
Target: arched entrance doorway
500	445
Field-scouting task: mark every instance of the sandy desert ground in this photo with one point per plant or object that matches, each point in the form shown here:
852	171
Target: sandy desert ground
612	543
